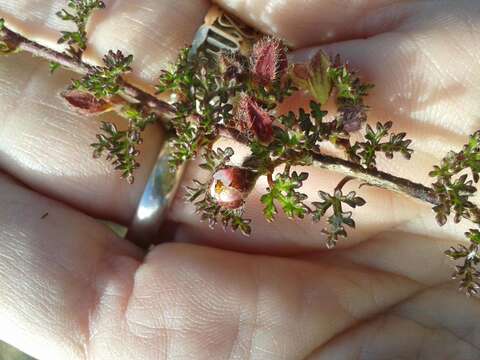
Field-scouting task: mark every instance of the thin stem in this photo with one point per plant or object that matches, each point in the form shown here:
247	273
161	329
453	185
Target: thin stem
271	183
372	177
343	182
166	112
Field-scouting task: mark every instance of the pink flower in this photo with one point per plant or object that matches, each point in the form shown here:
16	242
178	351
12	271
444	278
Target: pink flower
314	78
252	118
230	186
269	61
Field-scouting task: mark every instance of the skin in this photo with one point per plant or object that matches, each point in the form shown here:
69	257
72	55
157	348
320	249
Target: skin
71	289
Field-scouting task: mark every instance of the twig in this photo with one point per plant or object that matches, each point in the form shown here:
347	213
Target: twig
376	178
148	102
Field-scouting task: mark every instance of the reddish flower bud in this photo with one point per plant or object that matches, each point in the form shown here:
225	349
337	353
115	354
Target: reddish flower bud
313	77
251	118
269	61
230	67
85	103
231	186
353	118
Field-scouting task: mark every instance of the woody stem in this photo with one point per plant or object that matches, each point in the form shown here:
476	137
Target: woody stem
148	102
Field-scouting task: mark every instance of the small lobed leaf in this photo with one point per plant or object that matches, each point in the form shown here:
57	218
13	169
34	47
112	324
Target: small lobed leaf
366	152
79	13
339	218
120	146
104	82
283	192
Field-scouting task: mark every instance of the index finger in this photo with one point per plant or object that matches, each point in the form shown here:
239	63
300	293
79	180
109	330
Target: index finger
306	23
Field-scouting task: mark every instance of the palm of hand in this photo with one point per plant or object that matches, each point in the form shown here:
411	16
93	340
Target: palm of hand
74	290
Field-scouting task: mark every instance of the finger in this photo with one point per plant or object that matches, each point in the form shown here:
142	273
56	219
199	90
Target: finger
291	240
55	262
428	325
304	23
427	314
46	146
141	28
73	291
258	300
256	305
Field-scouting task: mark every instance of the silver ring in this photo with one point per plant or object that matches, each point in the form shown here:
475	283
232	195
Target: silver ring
159	193
219	33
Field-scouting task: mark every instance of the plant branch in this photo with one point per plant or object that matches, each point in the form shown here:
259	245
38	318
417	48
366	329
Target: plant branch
376	178
133	94
372	177
151	104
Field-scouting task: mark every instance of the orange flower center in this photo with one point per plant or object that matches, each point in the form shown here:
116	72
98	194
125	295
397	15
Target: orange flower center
219	186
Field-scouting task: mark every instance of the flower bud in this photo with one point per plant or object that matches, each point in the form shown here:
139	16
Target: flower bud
353	117
230	67
251	118
85	103
313	77
231	186
269	61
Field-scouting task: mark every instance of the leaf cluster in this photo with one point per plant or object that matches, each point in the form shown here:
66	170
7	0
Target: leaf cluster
339	219
283	191
380	140
456	179
294	140
350	88
216	159
79	11
467	272
202	98
121	146
105	81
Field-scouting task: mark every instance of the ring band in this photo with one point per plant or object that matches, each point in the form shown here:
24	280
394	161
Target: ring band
157	197
220	33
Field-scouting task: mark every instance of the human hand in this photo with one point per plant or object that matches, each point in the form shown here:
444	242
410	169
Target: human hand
74	290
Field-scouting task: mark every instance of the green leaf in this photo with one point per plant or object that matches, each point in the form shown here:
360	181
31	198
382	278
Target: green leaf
366	152
120	146
314	77
53	66
284	193
103	82
270	210
215	160
350	89
474	236
339	219
79	13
